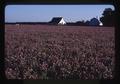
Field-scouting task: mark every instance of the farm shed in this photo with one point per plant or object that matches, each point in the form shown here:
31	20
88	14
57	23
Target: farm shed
57	21
94	22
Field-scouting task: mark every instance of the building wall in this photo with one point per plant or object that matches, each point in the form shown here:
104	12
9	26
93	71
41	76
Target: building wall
62	21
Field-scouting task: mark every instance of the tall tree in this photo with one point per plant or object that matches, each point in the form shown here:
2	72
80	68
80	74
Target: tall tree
94	22
108	17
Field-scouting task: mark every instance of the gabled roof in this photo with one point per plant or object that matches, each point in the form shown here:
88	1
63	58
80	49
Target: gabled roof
56	20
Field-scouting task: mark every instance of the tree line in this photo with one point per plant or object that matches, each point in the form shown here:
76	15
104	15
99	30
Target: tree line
107	19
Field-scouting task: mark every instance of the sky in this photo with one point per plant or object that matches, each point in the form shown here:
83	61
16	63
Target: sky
44	13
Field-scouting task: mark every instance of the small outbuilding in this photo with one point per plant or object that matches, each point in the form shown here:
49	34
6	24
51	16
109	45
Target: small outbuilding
57	21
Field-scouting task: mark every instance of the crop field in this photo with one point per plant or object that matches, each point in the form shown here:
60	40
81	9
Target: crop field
59	52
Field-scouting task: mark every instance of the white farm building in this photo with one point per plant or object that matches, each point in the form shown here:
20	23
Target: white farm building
58	21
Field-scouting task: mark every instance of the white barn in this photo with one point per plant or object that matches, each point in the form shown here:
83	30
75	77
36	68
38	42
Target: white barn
58	21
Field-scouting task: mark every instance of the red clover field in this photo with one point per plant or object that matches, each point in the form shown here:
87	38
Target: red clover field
59	52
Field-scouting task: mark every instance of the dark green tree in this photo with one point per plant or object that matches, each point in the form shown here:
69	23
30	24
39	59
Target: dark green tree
108	17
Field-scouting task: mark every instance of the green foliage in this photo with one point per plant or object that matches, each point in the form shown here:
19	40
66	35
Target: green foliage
108	18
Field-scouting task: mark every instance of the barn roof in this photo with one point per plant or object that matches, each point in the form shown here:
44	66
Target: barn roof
56	19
